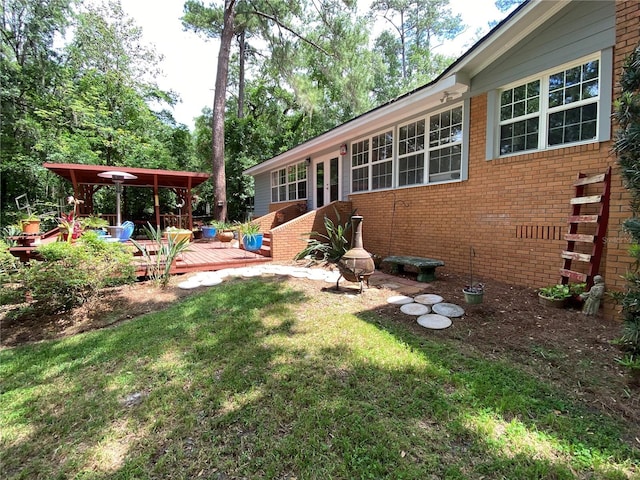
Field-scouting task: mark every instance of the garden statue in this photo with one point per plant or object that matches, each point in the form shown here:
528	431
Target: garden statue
593	296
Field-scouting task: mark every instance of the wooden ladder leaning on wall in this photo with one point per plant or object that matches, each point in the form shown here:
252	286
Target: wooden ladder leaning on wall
595	222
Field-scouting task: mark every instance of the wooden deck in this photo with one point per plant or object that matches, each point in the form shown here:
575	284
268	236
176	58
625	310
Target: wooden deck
202	255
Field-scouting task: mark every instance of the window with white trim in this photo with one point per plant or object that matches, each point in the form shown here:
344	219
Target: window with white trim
289	183
360	166
411	153
382	160
558	108
372	168
445	145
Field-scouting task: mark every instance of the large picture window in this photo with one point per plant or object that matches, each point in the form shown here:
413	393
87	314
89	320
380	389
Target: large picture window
289	183
426	150
558	108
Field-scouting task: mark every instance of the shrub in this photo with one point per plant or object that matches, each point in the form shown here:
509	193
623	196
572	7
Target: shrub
11	290
627	146
68	275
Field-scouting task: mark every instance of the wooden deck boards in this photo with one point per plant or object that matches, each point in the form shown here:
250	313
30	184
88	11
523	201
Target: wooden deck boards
211	255
201	255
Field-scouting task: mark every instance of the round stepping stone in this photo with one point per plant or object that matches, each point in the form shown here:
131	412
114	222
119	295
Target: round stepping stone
399	300
415	309
188	285
210	282
448	309
434	321
428	299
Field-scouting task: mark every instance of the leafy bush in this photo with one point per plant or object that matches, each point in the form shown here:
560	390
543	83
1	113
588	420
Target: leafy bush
68	275
627	146
11	290
559	291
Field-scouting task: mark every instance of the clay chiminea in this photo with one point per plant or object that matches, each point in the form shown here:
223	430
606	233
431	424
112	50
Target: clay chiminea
356	265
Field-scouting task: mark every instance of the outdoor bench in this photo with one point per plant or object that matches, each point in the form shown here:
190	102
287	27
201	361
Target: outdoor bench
426	266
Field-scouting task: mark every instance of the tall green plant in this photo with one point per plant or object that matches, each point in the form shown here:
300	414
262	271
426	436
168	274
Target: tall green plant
332	246
627	146
160	254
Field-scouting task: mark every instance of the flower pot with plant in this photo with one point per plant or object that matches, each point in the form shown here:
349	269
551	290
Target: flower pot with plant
251	236
70	226
224	232
473	292
95	223
30	224
209	230
178	235
561	295
554	295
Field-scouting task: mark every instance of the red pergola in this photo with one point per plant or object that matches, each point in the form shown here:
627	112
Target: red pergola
86	182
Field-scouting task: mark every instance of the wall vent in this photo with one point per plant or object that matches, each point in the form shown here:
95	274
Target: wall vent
539	232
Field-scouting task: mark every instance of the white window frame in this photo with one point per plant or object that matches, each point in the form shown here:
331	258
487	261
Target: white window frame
415	152
369	164
452	142
284	179
601	101
460	140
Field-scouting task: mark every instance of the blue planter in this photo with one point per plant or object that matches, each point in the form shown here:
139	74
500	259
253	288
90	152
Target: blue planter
209	231
252	242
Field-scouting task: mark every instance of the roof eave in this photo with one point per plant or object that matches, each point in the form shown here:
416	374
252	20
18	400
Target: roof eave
448	88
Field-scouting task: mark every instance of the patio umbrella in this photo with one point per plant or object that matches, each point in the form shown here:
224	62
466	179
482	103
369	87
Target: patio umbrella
117	178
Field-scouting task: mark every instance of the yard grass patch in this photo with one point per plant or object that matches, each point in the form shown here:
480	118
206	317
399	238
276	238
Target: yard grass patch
254	379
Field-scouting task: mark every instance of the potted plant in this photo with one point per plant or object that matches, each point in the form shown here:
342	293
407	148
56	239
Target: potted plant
70	227
224	231
30	224
251	236
473	292
210	229
178	235
95	223
555	295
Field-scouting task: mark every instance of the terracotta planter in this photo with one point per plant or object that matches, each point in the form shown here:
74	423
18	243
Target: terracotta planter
30	227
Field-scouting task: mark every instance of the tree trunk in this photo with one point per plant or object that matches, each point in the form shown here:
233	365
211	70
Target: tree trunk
241	42
219	176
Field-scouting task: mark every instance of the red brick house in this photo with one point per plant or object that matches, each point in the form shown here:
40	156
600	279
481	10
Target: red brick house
486	156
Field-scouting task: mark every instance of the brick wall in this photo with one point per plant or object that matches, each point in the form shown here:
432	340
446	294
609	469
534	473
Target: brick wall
512	211
289	239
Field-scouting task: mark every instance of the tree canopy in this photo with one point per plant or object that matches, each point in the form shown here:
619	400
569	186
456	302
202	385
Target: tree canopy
79	86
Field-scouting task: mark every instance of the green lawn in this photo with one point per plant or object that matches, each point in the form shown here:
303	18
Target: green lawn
251	379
